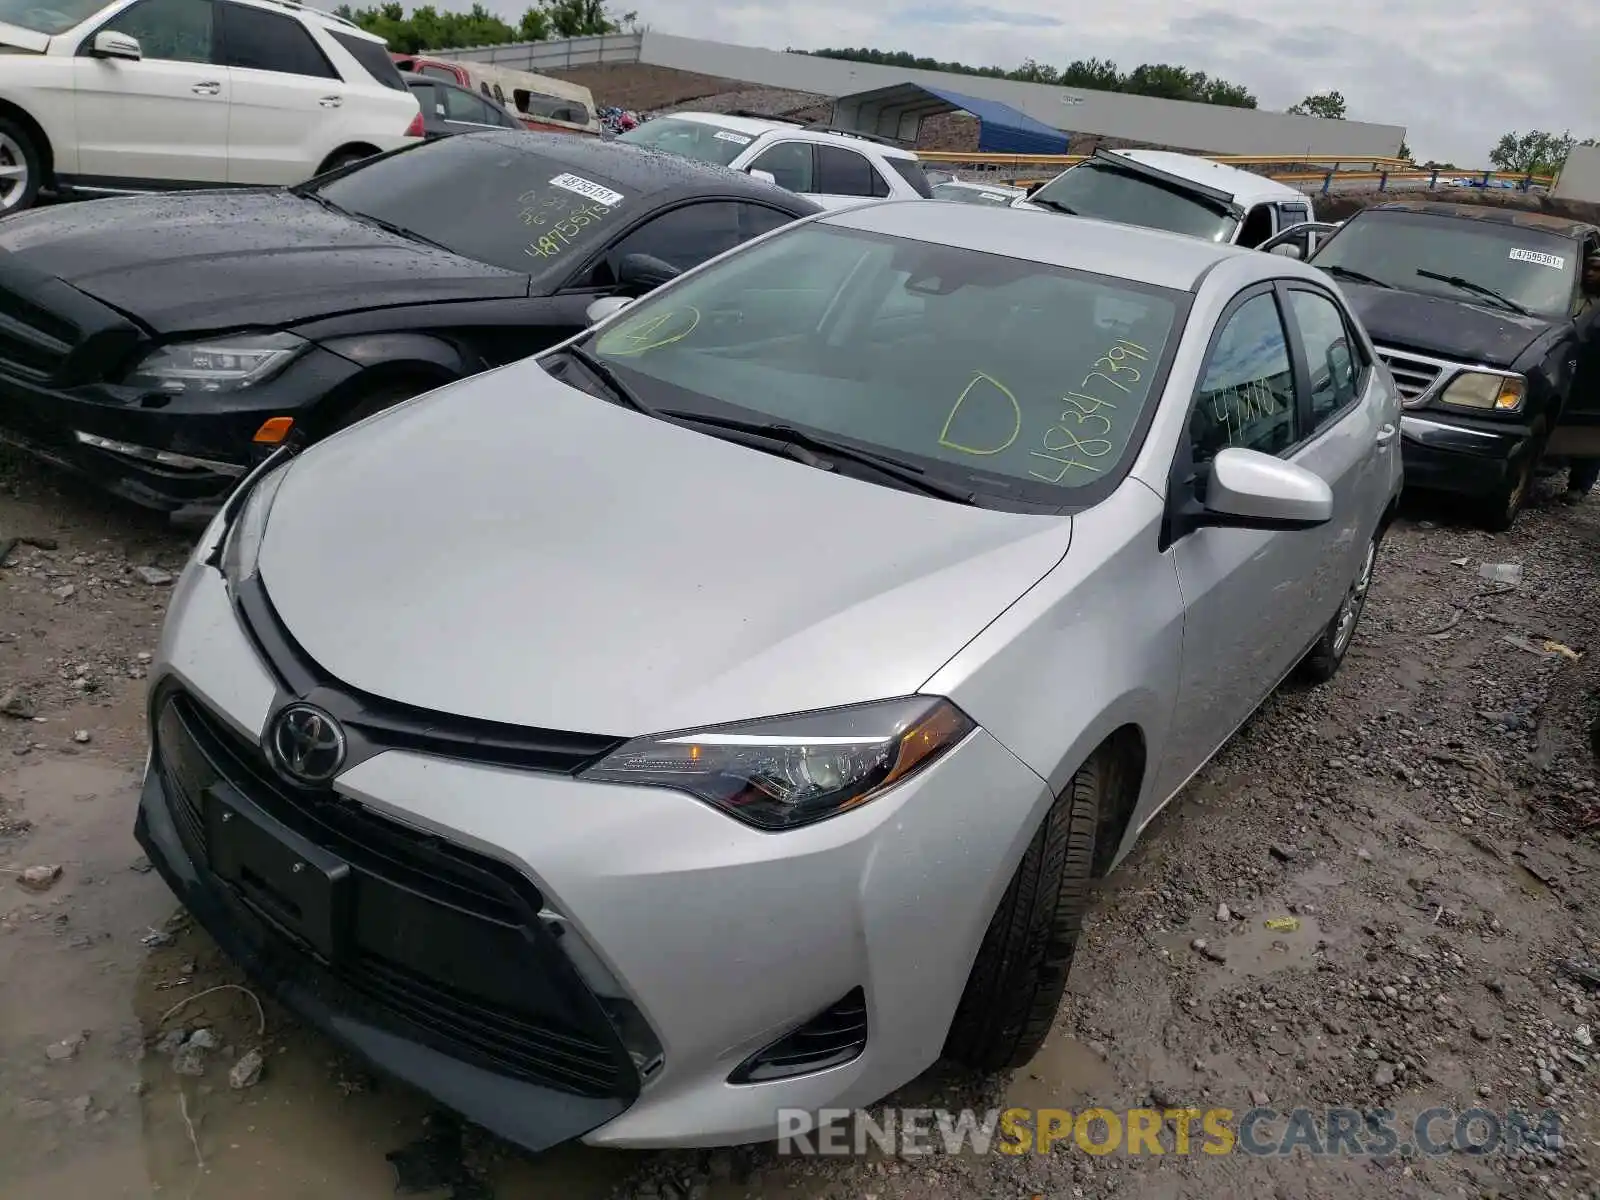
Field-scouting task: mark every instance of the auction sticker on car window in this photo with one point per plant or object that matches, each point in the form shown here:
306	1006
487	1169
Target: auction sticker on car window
732	137
585	187
1538	256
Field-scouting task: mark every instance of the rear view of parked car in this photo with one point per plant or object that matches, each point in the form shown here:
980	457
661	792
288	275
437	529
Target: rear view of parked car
794	650
146	95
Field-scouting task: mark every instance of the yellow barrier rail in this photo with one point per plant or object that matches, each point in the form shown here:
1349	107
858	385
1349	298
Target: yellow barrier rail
1382	169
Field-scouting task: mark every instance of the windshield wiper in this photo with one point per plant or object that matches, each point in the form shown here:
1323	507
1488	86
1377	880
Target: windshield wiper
624	394
1354	276
787	435
1047	202
387	226
1467	285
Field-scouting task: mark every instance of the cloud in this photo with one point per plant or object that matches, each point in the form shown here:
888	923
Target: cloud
1456	75
972	14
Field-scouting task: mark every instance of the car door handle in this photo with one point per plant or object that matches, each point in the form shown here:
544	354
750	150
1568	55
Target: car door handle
331	101
1385	435
209	88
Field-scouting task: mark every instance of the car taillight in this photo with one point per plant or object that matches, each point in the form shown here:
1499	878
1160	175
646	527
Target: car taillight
415	128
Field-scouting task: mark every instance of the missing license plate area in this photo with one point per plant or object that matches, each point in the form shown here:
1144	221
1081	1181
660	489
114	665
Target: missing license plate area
294	883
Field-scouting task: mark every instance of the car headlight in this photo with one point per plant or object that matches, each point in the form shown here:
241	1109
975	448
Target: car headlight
1478	389
223	364
784	772
242	549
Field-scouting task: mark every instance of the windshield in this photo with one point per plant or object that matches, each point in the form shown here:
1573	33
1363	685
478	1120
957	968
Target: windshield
972	195
1529	267
1016	380
1110	193
492	197
690	139
56	16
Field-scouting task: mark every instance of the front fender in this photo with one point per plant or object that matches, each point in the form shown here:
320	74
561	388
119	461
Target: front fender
1094	647
407	351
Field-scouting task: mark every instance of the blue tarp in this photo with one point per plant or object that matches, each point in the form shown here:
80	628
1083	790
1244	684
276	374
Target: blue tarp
1003	129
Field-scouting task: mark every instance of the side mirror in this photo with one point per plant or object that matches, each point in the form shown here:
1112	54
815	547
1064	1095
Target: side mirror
1288	250
110	44
766	175
1035	186
643	272
605	307
1251	490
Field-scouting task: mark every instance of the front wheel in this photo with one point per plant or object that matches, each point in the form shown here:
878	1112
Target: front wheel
1021	970
1498	511
21	171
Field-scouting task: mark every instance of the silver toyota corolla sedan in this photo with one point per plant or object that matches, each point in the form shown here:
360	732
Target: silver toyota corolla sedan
727	711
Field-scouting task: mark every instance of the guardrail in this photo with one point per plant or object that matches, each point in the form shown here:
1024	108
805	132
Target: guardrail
1383	171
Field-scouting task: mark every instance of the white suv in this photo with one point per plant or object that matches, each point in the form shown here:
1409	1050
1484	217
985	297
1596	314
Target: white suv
141	95
833	167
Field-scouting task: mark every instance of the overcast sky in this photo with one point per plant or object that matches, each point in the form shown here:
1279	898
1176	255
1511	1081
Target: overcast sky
1456	73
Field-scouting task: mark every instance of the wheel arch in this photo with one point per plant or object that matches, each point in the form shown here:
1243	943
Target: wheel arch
364	149
47	154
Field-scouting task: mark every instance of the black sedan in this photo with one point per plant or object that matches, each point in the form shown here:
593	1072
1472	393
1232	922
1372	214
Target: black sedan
449	108
158	344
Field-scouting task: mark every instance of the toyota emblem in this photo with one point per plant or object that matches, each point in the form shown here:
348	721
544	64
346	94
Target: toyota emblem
308	744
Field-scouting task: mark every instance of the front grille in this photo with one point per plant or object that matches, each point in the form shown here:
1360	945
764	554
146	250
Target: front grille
831	1038
427	865
1414	376
33	344
444	945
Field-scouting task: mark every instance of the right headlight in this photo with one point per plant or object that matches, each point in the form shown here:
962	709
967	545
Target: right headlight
1481	390
784	772
242	548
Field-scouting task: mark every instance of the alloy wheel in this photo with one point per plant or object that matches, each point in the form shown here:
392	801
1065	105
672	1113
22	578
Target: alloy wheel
1354	601
13	173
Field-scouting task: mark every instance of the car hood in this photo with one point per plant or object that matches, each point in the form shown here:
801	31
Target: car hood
1453	329
512	549
23	39
216	260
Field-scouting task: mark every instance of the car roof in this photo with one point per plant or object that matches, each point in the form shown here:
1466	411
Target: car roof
1152	256
1193	167
757	126
643	170
327	20
1491	213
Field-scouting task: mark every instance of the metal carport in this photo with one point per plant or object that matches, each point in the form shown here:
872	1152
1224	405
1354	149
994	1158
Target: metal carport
897	112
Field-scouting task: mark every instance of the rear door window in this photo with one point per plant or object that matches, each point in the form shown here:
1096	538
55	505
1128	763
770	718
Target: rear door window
374	59
1331	356
843	172
263	41
462	105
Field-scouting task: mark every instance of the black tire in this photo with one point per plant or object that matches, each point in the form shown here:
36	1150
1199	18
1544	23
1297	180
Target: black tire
343	159
1021	970
1498	511
1326	657
18	149
365	404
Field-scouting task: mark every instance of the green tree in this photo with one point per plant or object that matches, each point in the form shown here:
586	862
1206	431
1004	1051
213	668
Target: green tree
1536	152
1150	79
1329	105
428	28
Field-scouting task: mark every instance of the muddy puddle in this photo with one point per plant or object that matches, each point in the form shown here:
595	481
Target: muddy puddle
97	968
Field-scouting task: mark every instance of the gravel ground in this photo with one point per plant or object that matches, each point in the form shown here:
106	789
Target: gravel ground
1426	820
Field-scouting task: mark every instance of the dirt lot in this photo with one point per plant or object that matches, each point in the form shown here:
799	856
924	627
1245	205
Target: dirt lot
1424	818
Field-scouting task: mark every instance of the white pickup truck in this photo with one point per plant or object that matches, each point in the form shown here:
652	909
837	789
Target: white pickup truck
1183	193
